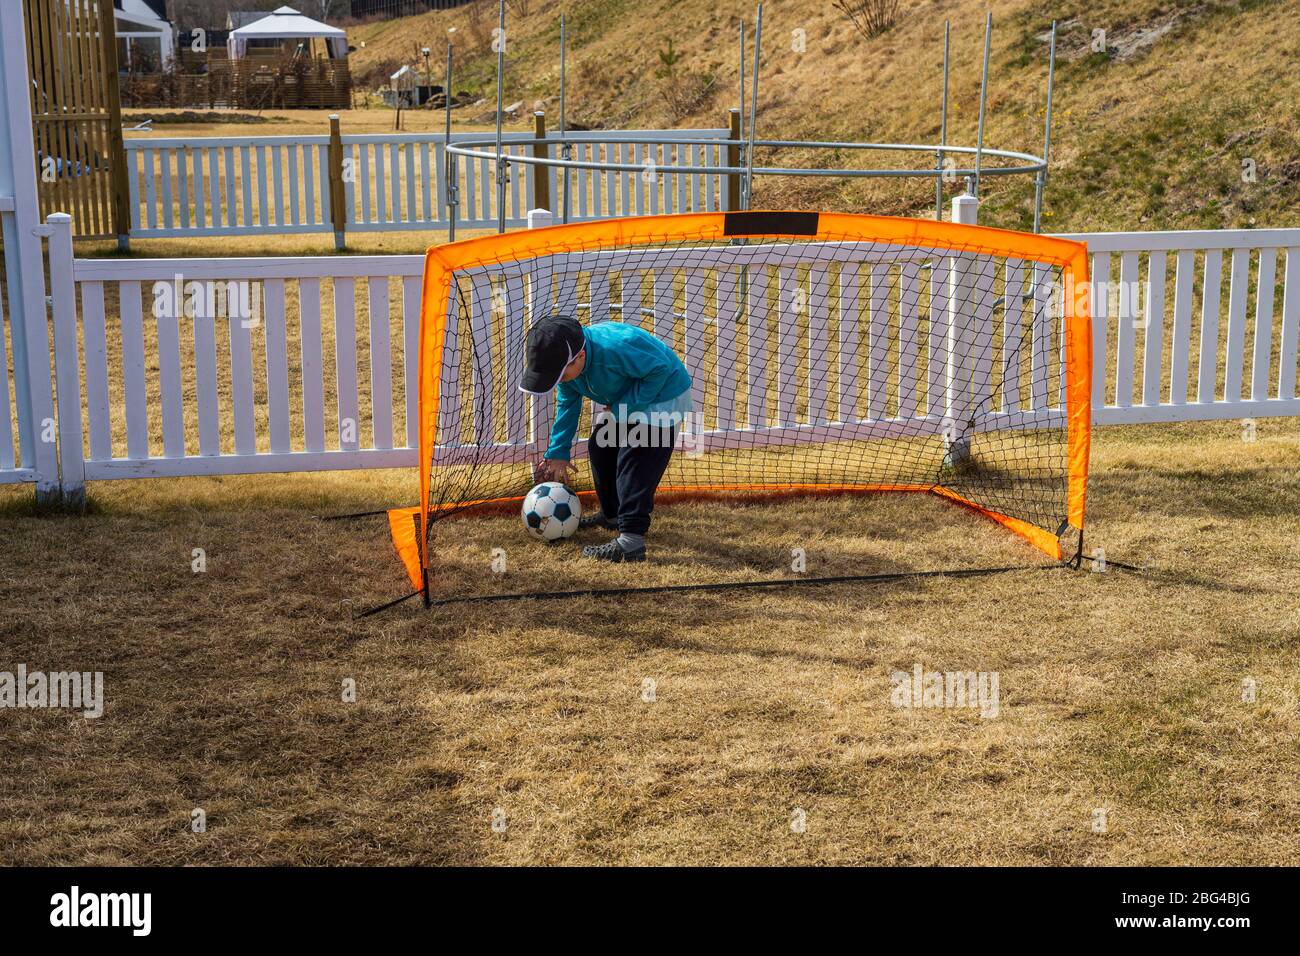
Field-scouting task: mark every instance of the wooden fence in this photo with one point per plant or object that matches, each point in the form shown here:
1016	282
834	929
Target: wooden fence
280	80
290	83
77	113
323	375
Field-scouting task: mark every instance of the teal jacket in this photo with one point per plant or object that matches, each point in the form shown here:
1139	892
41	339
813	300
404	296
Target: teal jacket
628	370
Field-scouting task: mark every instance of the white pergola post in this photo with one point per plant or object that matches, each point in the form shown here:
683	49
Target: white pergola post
24	271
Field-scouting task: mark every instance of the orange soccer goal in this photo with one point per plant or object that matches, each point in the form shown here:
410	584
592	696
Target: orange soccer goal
828	353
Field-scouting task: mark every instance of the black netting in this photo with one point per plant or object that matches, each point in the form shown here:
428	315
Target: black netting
817	364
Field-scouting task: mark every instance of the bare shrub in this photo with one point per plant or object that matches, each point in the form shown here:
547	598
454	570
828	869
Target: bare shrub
683	91
481	18
870	17
376	75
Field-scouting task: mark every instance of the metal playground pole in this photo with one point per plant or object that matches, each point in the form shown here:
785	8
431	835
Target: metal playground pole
753	108
742	79
501	160
449	158
943	129
984	90
566	151
1041	181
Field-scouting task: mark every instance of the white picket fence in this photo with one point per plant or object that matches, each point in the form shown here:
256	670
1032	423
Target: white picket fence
202	433
395	181
1173	361
324	382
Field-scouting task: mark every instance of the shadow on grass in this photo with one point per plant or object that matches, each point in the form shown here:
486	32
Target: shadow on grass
22	503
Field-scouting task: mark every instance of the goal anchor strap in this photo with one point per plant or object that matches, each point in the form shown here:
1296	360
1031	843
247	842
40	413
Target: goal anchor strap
1072	565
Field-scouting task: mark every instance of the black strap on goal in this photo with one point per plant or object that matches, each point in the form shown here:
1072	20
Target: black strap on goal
742	585
1077	561
731	585
761	223
393	603
357	514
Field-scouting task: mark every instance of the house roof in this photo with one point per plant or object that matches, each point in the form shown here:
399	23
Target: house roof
150	13
242	18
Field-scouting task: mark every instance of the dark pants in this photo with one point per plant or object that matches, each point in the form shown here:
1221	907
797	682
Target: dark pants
626	476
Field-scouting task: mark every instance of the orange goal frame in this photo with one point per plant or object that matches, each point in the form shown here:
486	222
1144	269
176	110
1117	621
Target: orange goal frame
442	261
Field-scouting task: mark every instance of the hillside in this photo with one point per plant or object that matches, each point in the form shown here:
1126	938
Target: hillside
1151	134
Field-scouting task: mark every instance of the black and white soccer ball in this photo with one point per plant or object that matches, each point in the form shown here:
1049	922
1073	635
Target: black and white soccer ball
551	511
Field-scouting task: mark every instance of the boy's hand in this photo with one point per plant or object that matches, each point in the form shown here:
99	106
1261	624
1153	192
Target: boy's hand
552	469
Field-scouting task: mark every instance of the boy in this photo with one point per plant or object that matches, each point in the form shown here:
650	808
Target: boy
644	392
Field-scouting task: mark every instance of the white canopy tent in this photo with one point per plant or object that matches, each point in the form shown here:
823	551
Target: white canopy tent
286	23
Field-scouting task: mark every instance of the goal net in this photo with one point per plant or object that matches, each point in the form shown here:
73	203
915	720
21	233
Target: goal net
828	353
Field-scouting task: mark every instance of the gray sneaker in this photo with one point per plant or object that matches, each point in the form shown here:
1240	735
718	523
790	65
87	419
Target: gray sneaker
613	551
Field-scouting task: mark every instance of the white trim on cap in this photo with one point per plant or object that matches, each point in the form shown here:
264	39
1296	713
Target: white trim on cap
562	368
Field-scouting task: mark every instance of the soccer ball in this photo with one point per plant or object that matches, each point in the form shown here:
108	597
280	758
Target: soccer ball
551	511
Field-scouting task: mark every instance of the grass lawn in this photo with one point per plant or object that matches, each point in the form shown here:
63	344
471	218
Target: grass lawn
1144	717
1119	691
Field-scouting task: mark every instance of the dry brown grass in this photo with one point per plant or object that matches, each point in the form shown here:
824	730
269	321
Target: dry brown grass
1119	690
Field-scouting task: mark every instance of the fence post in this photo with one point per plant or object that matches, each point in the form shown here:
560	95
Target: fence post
29	330
966	209
539	218
121	198
540	172
961	340
338	194
733	159
67	378
20	232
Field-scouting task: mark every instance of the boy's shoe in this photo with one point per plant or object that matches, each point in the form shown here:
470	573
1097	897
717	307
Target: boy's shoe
613	551
598	520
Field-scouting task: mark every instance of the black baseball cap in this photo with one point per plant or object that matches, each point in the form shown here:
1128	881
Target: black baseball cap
553	342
